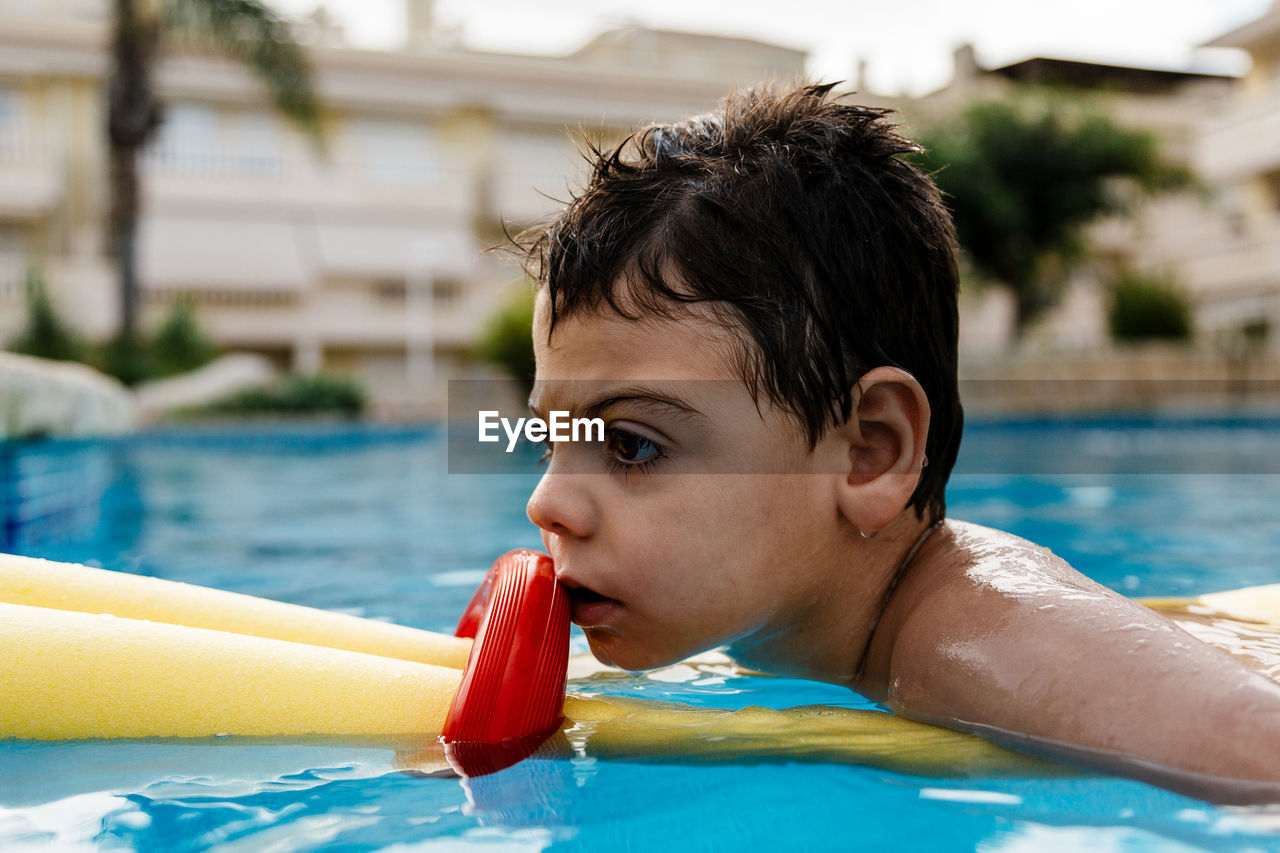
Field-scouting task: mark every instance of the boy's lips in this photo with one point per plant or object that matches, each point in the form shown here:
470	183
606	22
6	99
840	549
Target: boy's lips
587	607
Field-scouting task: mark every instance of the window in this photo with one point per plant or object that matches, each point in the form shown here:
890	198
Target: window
1272	181
11	147
534	168
187	141
258	144
389	290
393	151
198	139
8	107
446	291
13	239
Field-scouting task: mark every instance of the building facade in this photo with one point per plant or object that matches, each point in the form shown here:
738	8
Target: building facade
1164	235
365	258
1238	268
368	258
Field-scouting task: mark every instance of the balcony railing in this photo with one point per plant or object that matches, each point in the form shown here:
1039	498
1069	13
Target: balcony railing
186	170
211	163
22	146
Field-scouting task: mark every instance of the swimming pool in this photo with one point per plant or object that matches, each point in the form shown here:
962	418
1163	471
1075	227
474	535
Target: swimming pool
366	521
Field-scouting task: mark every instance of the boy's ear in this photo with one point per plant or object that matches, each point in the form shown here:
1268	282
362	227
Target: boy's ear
882	447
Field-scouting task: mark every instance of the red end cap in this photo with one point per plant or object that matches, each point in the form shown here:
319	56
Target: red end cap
512	690
469	624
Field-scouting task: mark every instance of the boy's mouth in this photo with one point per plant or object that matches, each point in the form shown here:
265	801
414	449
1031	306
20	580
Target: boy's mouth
589	608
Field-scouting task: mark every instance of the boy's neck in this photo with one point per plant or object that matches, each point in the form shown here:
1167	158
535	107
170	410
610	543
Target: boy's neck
829	641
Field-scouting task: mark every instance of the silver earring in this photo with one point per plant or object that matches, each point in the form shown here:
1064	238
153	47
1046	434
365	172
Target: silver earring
924	463
865	535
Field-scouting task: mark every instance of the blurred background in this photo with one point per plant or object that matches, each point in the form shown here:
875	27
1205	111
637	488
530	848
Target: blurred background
293	200
245	243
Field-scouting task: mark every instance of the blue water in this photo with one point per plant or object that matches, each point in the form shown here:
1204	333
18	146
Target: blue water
366	521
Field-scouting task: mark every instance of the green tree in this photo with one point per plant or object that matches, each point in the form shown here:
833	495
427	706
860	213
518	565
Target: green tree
507	340
179	344
1024	177
244	30
46	334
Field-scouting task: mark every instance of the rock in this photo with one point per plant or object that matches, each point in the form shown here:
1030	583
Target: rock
218	379
39	397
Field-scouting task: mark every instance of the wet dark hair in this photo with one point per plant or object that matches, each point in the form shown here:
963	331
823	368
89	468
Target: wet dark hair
800	223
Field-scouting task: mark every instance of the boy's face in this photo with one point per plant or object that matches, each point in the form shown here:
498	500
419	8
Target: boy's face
702	520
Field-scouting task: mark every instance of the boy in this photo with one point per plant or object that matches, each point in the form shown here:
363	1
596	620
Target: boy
760	304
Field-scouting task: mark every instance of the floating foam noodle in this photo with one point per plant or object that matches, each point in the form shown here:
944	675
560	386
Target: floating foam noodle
1254	604
65	586
92	653
240	665
67	675
70	671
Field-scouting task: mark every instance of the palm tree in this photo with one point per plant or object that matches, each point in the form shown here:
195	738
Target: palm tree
244	30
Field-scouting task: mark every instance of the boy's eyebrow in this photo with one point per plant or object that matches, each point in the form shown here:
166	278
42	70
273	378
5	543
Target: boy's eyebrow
634	394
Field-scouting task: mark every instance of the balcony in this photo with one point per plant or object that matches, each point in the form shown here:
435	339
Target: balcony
293	179
1242	141
378	319
1240	269
383	318
32	173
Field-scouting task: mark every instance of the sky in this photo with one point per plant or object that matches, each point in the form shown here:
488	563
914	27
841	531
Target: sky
907	44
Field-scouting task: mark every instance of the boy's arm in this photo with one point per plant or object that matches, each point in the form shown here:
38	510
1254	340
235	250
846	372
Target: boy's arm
1079	666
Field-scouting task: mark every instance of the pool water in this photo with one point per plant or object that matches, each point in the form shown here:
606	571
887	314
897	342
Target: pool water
366	521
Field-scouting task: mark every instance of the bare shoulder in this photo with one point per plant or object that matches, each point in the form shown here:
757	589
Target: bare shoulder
980	598
990	630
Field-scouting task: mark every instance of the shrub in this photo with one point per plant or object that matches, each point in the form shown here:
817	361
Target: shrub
1256	332
298	394
126	357
46	334
507	340
179	344
1146	307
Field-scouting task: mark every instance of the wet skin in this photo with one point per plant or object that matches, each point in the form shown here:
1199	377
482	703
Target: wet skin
705	520
991	633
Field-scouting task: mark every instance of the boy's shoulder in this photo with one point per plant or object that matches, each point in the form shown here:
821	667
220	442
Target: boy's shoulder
970	591
995	633
987	613
966	565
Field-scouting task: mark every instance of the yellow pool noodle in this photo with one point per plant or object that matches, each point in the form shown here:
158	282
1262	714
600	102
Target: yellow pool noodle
629	729
91	653
1259	604
66	675
64	586
1251	604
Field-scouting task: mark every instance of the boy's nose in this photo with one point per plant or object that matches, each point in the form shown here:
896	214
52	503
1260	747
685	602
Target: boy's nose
562	505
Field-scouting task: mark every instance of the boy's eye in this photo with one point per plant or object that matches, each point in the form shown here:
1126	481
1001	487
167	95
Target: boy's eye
630	448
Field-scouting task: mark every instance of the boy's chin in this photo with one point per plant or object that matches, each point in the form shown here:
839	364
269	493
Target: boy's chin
632	661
